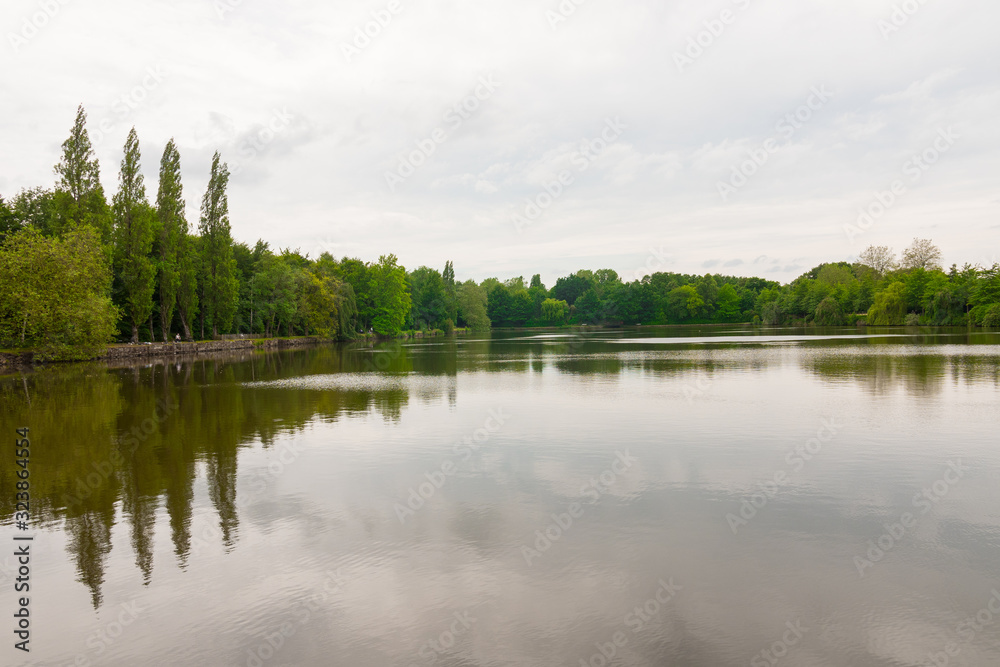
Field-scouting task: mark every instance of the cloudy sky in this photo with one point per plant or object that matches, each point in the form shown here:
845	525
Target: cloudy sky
516	136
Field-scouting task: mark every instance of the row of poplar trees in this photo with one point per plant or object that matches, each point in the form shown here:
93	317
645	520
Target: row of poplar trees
157	264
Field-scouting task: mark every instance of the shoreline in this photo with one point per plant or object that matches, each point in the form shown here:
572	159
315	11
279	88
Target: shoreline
24	359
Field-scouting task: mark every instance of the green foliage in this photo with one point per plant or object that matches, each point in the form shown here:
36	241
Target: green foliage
79	197
889	308
570	288
728	304
34	208
828	313
431	305
189	269
451	296
133	239
54	295
554	312
220	289
173	227
391	299
992	317
472	300
685	303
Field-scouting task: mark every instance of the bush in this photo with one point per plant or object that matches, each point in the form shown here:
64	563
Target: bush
992	317
912	320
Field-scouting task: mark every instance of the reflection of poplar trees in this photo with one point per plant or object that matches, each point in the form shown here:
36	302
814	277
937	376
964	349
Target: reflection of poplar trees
90	544
134	434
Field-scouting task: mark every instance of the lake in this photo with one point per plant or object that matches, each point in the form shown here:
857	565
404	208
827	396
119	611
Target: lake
703	496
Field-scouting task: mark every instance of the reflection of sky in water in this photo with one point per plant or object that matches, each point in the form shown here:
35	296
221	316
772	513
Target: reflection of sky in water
706	427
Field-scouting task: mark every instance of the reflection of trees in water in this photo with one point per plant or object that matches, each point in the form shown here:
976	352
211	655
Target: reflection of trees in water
90	544
134	434
923	374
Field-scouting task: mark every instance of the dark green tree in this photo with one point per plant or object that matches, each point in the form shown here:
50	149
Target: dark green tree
173	230
133	235
220	289
189	268
451	295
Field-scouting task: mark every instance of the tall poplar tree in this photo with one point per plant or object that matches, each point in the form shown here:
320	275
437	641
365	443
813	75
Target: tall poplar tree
451	294
221	289
133	238
173	230
189	268
79	196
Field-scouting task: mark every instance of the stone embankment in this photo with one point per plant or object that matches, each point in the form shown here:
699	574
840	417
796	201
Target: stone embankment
160	351
178	350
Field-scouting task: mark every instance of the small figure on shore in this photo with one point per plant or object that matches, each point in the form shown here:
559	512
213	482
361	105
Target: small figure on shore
177	338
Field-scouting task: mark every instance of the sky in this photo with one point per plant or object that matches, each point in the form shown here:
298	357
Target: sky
513	137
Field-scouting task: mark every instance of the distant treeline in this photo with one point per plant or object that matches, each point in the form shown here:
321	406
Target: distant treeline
78	272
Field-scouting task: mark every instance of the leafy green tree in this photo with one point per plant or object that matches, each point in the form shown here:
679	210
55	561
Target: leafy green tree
220	291
35	208
429	297
727	304
451	296
985	295
498	305
554	312
274	294
189	268
472	301
685	303
9	224
317	303
54	294
889	308
588	307
133	235
173	229
361	277
828	313
79	196
392	301
570	288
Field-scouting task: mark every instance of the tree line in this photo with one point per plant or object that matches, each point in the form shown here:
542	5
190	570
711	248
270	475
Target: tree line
77	272
876	290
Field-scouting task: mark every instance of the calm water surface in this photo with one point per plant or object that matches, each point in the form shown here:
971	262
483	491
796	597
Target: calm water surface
685	497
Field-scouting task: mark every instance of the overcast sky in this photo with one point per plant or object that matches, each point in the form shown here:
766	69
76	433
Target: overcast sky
506	95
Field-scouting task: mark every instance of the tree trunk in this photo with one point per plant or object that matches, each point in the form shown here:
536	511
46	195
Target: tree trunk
184	325
215	332
203	324
152	333
135	333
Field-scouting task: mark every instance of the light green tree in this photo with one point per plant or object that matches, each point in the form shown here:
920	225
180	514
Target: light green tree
472	300
54	294
79	196
554	311
889	308
392	301
727	304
